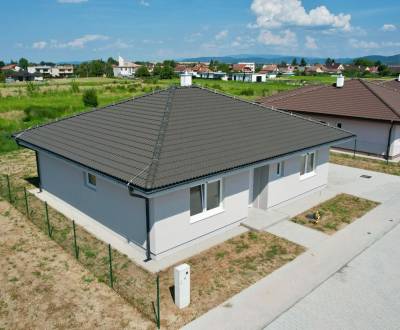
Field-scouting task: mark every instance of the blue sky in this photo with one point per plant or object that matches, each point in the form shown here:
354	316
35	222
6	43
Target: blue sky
63	30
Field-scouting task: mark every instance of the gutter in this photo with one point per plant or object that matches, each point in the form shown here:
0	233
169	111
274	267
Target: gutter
389	142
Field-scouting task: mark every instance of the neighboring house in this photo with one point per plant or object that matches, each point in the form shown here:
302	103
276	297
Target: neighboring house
335	68
10	67
271	70
22	75
44	70
314	69
248	77
125	68
369	110
244	67
218	75
162	171
62	71
394	69
287	70
181	68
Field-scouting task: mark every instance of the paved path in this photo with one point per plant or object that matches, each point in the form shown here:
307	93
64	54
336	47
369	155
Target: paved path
265	301
310	238
365	294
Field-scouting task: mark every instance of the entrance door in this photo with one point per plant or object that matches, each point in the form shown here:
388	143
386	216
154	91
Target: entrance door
260	187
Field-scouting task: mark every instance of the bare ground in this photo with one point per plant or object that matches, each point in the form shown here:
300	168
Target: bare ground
42	287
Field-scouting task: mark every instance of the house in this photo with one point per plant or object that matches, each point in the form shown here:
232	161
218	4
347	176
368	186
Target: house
271	70
22	75
62	71
395	69
244	67
335	68
315	69
163	171
125	68
43	70
248	77
286	70
10	67
369	110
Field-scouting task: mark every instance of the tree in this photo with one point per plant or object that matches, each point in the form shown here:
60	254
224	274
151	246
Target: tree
283	63
167	72
142	71
294	61
112	61
383	70
363	62
303	62
157	69
2	76
2	63
23	63
89	98
223	67
329	61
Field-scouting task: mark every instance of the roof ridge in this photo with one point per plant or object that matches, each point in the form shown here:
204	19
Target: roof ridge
19	134
365	83
287	113
153	166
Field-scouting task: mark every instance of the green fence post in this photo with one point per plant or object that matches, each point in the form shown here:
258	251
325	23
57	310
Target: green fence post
9	188
110	261
26	202
76	248
49	228
158	301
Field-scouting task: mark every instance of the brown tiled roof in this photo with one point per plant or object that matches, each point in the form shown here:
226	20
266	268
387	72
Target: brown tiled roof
391	84
357	98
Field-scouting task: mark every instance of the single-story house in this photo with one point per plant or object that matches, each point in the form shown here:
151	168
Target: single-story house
369	110
125	68
170	168
248	77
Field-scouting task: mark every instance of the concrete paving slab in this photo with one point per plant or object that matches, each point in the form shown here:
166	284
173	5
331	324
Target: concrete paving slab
299	234
259	219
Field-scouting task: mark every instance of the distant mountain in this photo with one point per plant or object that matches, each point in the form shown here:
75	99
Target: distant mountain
259	59
394	59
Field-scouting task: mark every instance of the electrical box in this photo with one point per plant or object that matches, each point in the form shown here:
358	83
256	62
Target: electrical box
182	285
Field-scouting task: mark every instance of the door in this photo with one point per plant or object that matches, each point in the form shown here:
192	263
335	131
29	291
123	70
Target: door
260	187
259	78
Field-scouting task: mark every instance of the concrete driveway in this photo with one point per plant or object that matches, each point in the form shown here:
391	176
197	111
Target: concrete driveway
334	281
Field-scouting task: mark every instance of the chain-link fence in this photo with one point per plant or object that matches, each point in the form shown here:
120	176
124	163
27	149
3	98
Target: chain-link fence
139	287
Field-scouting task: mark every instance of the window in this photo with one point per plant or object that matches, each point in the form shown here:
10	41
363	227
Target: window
339	125
91	180
205	197
307	164
279	169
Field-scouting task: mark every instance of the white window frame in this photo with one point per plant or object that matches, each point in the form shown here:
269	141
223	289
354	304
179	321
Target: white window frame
207	213
312	172
90	185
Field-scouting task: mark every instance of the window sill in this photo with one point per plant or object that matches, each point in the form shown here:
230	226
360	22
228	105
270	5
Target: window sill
207	214
308	175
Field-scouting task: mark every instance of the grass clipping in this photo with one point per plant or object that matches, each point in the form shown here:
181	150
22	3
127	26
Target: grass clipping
335	213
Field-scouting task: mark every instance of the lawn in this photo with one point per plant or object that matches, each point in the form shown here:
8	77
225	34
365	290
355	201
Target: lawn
365	163
335	213
216	274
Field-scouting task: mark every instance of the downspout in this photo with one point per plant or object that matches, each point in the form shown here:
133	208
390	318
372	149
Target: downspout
389	142
133	194
38	170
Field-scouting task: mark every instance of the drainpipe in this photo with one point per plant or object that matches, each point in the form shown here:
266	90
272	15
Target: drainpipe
38	170
389	142
133	194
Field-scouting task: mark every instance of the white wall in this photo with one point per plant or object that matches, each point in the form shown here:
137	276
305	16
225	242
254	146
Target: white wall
171	213
110	204
372	136
290	185
395	147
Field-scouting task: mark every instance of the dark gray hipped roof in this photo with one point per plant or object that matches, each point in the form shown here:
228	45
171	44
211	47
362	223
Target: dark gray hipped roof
177	135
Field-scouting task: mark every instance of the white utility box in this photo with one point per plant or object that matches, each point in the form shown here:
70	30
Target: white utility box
182	285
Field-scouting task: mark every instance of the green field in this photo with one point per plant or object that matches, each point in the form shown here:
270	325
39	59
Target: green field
25	105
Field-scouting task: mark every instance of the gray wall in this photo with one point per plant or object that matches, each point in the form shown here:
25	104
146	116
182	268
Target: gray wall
110	204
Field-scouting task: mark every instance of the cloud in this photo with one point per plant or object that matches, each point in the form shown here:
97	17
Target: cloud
39	44
221	35
71	1
361	44
285	38
311	43
243	42
272	14
79	42
193	37
144	3
388	27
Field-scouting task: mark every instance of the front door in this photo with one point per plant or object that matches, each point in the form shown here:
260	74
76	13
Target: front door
260	187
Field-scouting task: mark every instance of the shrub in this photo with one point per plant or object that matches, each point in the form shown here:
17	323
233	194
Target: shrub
31	88
247	92
74	87
89	98
33	113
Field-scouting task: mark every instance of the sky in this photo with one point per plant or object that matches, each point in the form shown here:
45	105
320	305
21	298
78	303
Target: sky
77	30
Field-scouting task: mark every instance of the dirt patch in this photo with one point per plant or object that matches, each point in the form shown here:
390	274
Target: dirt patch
42	287
335	213
12	115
